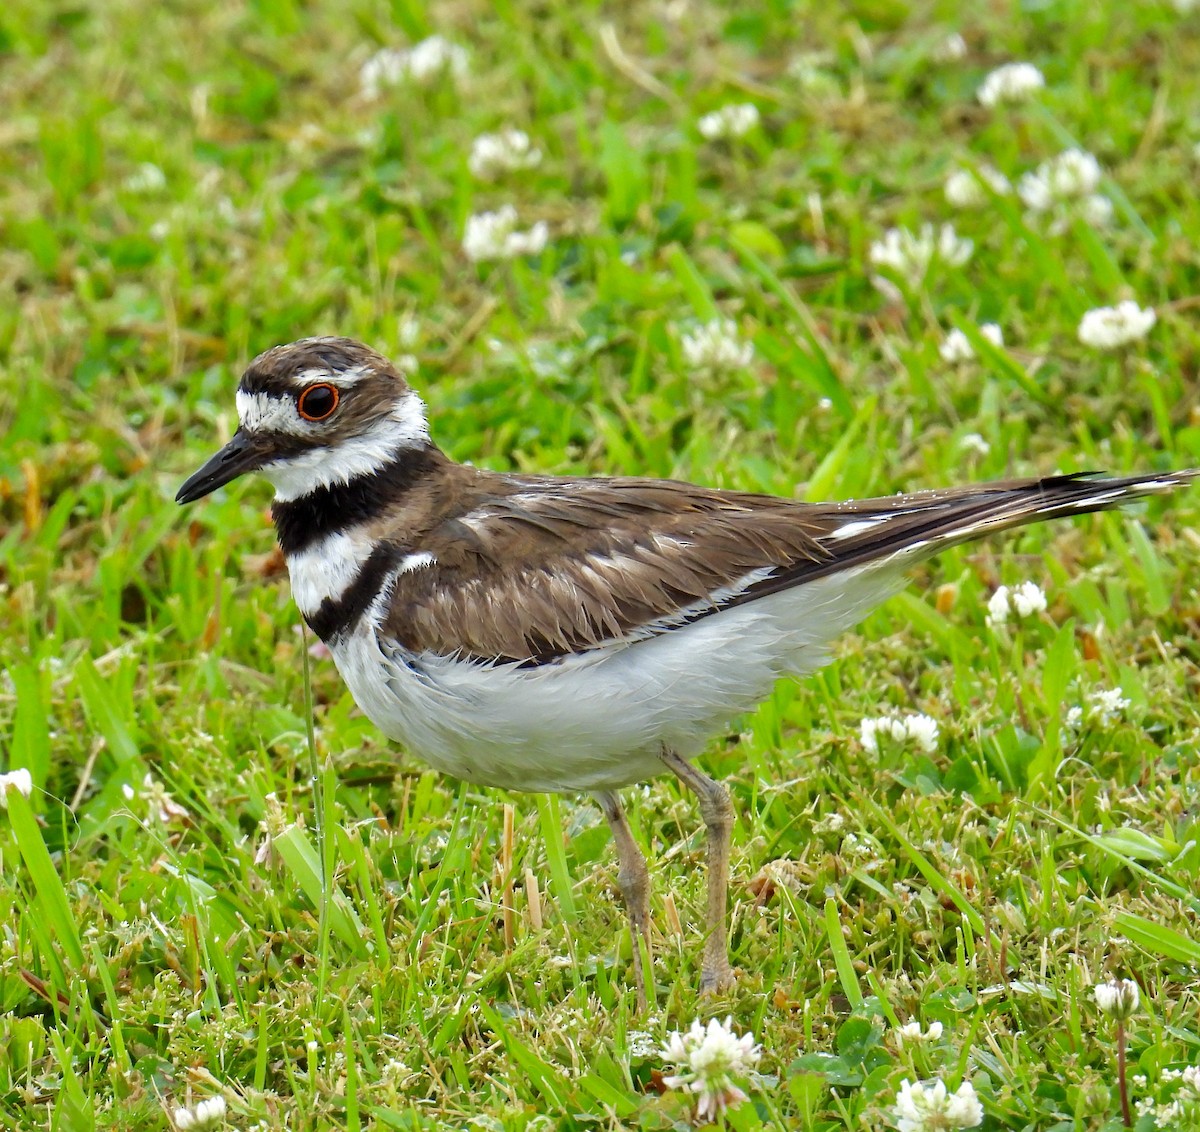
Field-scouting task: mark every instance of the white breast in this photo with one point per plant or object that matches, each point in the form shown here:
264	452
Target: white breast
327	568
598	721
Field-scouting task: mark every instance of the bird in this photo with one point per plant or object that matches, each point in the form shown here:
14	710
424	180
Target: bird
573	634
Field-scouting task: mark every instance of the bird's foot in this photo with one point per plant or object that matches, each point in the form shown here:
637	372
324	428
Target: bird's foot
716	978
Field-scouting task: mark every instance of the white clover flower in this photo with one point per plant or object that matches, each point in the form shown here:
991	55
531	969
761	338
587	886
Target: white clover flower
708	1059
1117	997
435	56
998	607
909	1032
1073	174
974	442
1027	599
385	68
642	1044
716	347
951	49
209	1111
428	60
1065	186
504	152
494	235
928	1106
1096	210
1107	705
1023	600
148	178
910	254
732	121
912	1032
1146	1107
860	848
1013	82
1106	328
830	823
968	188
956	346
19	780
408	330
922	730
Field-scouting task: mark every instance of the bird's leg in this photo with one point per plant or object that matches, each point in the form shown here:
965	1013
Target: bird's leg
634	881
717	812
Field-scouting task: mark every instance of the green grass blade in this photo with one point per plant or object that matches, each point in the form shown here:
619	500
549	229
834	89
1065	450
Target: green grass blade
841	954
933	877
1107	847
823	372
51	897
542	1075
102	711
554	839
1159	939
300	857
822	483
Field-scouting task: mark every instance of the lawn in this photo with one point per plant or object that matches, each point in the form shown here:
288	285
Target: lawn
225	884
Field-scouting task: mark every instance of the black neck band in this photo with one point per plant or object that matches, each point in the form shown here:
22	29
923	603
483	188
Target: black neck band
303	522
334	617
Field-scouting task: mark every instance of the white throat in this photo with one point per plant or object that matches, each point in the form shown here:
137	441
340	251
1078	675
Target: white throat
405	427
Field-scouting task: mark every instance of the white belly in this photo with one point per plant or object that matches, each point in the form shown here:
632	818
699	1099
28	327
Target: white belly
599	721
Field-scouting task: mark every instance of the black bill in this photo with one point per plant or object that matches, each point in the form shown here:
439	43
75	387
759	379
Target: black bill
242	454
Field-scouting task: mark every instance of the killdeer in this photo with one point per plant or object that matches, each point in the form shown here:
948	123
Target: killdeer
554	634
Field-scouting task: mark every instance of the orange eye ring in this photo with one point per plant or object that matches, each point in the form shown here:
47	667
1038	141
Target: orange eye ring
318	401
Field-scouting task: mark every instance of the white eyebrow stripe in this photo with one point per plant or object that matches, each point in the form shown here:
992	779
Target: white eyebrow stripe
342	378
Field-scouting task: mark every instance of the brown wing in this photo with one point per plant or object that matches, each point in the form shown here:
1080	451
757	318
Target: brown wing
535	568
529	569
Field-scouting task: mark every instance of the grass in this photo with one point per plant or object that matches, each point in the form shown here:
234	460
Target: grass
195	902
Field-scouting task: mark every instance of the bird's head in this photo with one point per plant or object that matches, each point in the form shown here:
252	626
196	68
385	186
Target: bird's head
315	413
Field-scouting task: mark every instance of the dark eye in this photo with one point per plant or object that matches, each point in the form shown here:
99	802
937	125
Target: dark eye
317	402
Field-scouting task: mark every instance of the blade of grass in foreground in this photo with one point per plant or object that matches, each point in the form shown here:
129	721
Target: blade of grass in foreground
556	853
997	359
76	1109
298	854
841	954
51	896
1158	938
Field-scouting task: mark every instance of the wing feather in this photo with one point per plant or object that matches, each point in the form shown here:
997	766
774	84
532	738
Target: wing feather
532	569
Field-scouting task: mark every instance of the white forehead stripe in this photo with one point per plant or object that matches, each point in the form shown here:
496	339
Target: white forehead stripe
342	378
345	459
260	412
